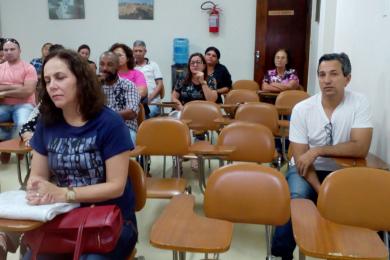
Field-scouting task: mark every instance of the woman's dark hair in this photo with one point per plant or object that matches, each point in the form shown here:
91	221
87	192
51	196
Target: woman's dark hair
128	52
289	61
83	46
214	49
187	80
89	93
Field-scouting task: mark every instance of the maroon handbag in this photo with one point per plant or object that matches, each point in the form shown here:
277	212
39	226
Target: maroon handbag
82	230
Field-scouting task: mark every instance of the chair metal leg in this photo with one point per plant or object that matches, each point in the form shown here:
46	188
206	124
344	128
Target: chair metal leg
175	255
386	239
164	165
268	232
177	166
221	162
202	181
182	255
301	255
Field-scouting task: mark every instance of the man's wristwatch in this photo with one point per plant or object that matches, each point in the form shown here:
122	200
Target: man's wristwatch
70	195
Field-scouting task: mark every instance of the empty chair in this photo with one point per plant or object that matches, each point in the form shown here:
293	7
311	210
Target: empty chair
141	114
261	113
265	114
239	96
286	100
166	137
201	115
352	206
138	182
246	84
357	196
248	193
252	142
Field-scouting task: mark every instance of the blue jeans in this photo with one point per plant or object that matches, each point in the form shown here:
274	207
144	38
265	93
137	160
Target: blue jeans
283	243
124	247
14	113
154	111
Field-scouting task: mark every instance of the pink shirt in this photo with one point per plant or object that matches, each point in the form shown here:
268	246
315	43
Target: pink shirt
17	74
135	76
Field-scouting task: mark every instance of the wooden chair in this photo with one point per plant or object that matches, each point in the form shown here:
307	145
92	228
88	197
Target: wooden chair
6	124
239	96
286	100
138	182
141	114
357	196
164	136
252	142
202	115
352	206
246	84
265	114
248	193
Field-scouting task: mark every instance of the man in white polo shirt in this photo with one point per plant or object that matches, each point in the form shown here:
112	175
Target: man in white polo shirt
334	122
153	76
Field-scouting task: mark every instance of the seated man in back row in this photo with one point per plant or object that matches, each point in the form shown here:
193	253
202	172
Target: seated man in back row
18	80
334	122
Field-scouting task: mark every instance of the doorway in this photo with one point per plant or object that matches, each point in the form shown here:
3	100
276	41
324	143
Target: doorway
282	24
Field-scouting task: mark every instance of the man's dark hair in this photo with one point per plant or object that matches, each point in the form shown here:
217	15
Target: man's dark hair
342	58
56	47
90	95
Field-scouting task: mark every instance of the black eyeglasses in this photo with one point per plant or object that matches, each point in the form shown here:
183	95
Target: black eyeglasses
11	40
329	133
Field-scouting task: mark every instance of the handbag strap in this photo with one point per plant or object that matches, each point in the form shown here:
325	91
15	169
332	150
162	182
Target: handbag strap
79	240
37	245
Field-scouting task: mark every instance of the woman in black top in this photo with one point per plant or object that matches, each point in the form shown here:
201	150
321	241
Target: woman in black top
218	71
196	85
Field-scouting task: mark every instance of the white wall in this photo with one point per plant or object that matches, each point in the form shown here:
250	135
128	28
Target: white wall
28	21
360	29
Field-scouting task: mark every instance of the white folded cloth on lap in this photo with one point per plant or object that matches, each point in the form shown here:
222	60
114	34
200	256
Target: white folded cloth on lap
13	205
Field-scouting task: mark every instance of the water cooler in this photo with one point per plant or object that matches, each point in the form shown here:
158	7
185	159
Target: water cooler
180	58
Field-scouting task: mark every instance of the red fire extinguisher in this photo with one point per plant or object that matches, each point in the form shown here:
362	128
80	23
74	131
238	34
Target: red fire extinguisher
214	12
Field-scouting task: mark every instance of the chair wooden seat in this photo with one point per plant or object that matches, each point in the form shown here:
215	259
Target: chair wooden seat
6	124
167	137
164	188
178	228
17	225
318	237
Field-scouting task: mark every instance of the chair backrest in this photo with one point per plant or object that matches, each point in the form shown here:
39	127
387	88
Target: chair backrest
141	114
246	84
202	115
241	96
163	136
252	142
138	182
260	113
248	193
290	98
357	196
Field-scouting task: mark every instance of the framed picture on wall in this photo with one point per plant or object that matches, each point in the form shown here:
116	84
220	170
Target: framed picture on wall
136	9
66	9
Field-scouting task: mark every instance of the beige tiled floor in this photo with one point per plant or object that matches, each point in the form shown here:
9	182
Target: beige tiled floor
248	240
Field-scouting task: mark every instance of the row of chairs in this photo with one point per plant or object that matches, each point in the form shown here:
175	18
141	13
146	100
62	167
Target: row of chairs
351	208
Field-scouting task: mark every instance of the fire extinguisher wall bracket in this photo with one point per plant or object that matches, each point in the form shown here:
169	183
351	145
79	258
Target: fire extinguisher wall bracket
214	12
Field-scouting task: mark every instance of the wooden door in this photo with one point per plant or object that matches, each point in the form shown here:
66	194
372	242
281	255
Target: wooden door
282	24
